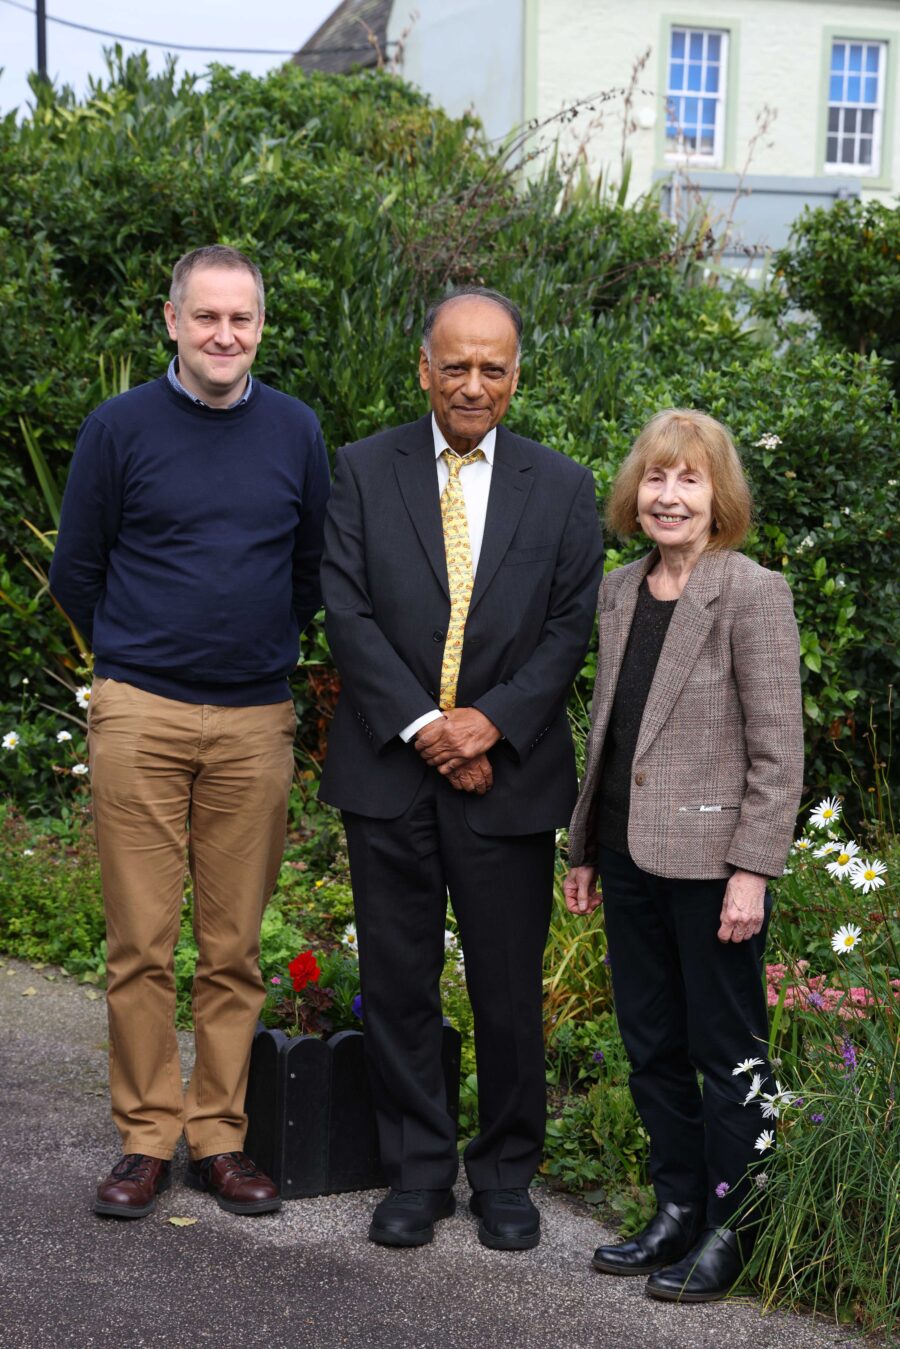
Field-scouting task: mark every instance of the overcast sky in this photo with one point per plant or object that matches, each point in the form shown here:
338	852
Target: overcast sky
72	55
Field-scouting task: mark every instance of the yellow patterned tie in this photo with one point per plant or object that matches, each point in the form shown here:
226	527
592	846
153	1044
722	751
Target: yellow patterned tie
459	570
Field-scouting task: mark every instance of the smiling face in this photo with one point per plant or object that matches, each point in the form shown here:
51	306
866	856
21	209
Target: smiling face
471	370
675	508
217	328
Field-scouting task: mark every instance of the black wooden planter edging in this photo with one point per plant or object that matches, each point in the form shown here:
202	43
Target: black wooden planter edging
311	1123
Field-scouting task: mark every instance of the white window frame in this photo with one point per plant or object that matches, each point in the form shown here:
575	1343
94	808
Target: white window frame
678	153
873	169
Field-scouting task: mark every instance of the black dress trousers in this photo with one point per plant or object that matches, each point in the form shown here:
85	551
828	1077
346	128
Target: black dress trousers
501	890
687	1003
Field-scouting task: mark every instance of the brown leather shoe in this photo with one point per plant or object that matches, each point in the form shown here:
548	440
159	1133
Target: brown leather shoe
130	1189
236	1181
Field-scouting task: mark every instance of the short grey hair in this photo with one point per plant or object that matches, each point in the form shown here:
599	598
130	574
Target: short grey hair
213	255
512	311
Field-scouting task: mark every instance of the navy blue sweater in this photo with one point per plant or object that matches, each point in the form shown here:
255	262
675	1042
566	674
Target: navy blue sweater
190	540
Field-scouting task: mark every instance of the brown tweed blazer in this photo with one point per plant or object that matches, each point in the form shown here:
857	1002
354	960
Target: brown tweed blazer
718	768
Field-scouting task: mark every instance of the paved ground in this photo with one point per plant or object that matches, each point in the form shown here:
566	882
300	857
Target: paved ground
305	1278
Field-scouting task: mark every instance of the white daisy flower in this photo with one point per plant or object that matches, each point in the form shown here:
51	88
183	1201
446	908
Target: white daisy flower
765	1141
846	937
867	876
11	740
802	845
755	1089
746	1066
79	769
833	845
83	695
770	1107
826	813
63	736
450	941
349	937
843	862
28	852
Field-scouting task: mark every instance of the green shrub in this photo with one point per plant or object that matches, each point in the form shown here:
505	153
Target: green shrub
841	266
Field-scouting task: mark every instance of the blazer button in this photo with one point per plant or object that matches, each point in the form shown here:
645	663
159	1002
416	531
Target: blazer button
437	635
640	779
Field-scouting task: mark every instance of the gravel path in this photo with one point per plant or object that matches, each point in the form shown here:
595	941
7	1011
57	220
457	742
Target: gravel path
305	1278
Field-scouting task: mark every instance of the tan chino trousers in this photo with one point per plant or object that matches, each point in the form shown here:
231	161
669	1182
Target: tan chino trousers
172	782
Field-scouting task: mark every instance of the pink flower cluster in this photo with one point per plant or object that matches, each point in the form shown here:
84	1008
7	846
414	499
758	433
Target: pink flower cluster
811	992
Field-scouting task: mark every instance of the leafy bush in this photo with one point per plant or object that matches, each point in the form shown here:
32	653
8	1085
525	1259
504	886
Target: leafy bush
841	266
362	202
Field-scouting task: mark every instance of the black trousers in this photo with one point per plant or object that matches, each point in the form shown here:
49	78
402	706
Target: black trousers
501	889
687	1003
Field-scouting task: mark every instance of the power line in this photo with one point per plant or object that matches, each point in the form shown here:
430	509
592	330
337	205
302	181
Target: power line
185	47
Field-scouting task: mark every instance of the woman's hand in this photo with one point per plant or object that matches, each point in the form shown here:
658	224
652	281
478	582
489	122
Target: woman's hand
580	890
743	908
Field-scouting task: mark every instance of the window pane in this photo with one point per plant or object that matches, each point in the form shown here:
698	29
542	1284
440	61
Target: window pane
709	111
714	46
867	122
836	88
838	52
853	91
850	121
676	76
872	55
689	113
694	74
706	142
833	119
696	46
712	79
831	150
865	151
847	152
855	62
871	90
677	44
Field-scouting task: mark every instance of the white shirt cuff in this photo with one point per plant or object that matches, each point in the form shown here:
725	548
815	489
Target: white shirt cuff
409	731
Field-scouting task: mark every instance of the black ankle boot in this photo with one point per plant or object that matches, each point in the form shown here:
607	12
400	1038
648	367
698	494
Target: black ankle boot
708	1272
668	1236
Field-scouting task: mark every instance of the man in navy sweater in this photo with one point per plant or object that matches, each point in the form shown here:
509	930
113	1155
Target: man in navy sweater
188	558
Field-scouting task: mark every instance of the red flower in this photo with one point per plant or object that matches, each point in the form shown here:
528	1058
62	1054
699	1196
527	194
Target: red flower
304	969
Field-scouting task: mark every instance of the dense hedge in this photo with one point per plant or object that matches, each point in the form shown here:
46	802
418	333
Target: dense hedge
361	202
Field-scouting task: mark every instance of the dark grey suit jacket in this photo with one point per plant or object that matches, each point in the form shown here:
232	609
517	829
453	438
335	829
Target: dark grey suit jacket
387	605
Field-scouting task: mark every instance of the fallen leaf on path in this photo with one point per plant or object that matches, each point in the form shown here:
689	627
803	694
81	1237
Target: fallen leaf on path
40	965
182	1222
28	992
10	971
92	994
51	978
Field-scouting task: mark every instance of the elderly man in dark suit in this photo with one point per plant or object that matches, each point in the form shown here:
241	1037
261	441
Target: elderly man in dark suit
460	578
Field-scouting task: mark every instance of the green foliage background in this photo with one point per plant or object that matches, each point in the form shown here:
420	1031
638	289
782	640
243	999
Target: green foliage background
361	203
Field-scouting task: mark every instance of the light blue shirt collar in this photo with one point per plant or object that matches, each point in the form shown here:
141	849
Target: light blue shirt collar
172	376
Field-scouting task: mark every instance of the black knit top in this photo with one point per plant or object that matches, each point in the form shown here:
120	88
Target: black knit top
648	631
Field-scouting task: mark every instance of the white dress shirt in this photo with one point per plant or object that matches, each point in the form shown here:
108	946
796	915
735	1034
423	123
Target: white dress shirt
476	486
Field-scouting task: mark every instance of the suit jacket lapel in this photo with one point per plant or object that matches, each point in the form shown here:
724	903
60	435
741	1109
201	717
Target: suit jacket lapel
416	471
511	481
688	630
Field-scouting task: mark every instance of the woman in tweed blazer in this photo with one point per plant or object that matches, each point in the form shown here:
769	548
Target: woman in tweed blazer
690	793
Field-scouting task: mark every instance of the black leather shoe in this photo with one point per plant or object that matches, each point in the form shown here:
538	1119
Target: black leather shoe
708	1272
668	1236
509	1220
407	1217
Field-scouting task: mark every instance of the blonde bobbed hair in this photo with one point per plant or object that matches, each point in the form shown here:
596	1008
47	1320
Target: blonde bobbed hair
676	436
